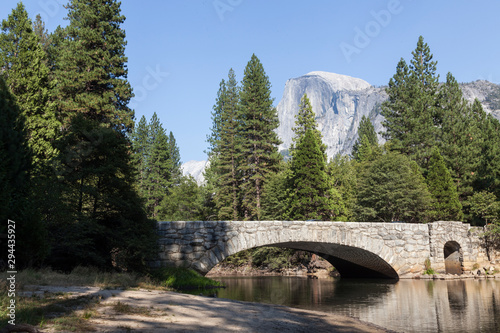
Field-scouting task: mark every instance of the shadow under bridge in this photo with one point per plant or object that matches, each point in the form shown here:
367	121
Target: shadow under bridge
350	262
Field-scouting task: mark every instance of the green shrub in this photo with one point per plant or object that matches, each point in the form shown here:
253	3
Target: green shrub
428	269
183	278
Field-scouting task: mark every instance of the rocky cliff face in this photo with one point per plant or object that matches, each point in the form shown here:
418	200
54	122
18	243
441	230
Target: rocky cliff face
486	92
195	169
340	101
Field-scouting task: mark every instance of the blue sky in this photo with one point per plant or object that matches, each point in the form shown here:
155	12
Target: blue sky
179	50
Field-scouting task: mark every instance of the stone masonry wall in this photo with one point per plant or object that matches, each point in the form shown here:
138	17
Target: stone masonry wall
404	246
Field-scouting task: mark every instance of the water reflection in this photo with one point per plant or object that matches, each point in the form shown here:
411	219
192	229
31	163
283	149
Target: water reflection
457	295
404	306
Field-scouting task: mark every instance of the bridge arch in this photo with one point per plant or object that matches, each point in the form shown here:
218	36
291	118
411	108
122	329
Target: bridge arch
350	261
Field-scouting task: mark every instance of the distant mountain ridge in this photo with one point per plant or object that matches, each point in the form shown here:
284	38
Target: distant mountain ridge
339	102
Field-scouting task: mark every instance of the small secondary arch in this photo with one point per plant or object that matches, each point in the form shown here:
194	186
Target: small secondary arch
453	258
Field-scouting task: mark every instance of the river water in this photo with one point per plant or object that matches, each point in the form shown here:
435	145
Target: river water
405	306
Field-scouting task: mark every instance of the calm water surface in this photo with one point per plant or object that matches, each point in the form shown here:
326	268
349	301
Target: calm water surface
404	306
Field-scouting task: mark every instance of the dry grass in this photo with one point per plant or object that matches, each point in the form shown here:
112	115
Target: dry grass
55	310
80	276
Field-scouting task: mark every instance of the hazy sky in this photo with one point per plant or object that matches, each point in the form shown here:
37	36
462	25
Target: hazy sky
179	50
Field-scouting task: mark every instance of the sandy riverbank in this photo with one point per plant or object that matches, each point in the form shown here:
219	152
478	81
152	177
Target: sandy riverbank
161	311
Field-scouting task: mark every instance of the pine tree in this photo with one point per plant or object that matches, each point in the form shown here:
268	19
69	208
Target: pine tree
217	123
91	65
395	110
224	149
175	158
42	33
365	150
157	161
488	178
312	196
259	152
305	120
140	146
411	109
104	221
24	63
54	48
158	178
16	201
460	139
366	132
446	205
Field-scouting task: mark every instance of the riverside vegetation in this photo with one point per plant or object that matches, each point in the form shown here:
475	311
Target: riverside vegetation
86	184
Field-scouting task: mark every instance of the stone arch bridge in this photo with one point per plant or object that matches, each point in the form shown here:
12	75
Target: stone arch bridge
355	249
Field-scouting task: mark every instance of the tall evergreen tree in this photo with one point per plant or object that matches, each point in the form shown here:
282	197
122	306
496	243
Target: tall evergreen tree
158	178
103	216
14	154
16	201
460	139
175	158
157	161
24	63
140	148
91	66
489	170
53	50
224	149
42	33
410	111
446	205
305	120
312	196
259	144
366	132
214	137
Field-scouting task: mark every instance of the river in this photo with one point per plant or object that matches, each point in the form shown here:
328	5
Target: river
405	306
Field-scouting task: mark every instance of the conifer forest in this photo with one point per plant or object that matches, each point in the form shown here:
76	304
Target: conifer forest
86	181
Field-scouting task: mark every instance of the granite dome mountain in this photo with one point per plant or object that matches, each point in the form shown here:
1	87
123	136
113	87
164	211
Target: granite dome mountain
339	102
